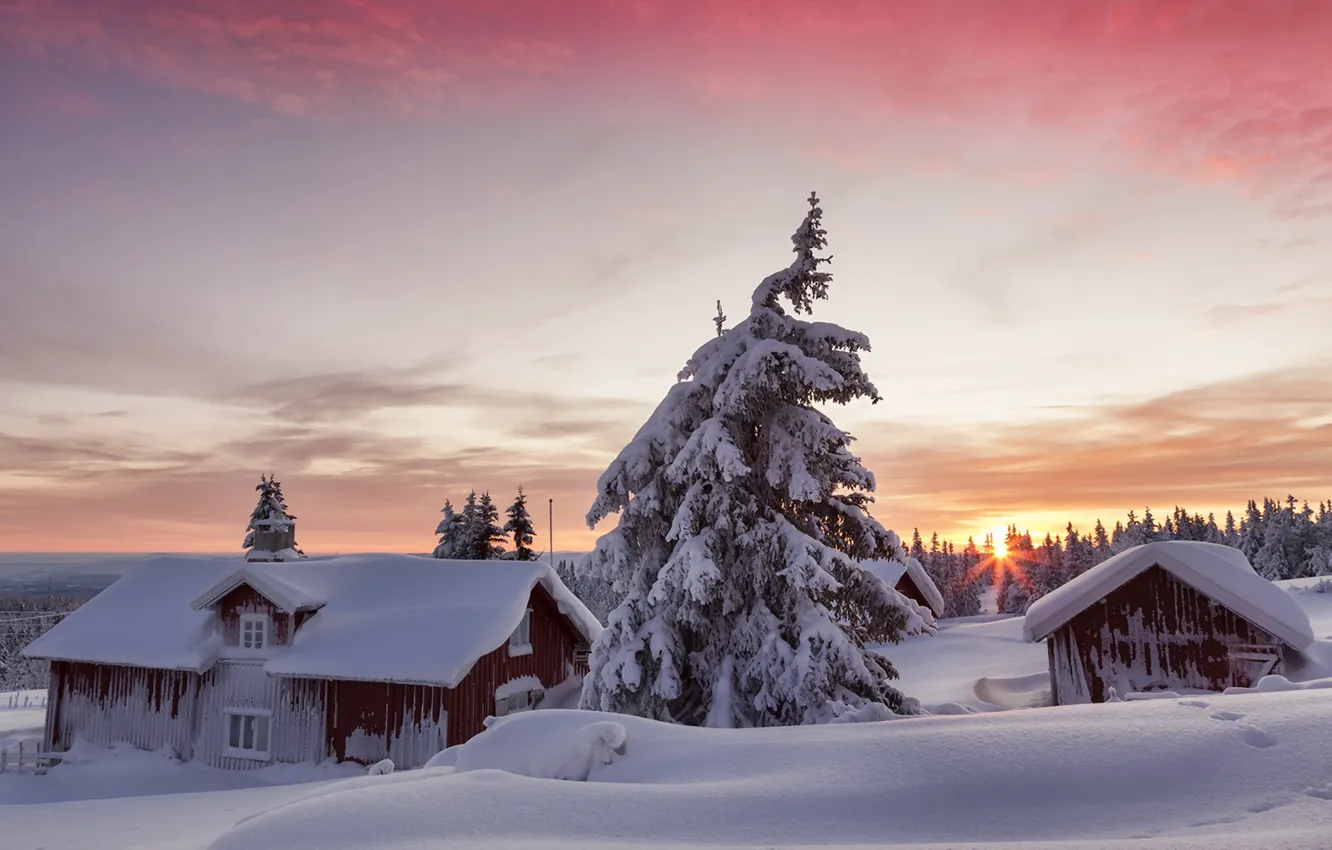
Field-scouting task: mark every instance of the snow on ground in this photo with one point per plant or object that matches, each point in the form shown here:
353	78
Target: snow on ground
1243	771
22	718
127	799
1238	772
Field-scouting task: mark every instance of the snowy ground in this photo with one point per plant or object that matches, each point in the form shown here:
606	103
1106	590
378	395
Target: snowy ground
1246	772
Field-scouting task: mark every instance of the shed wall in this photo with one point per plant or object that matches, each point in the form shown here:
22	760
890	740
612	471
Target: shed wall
1157	633
109	704
369	721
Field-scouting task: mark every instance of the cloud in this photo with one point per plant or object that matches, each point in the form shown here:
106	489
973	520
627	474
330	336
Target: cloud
298	58
1209	448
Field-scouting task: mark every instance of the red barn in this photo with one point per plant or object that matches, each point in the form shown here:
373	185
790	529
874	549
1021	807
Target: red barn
354	658
909	579
1173	615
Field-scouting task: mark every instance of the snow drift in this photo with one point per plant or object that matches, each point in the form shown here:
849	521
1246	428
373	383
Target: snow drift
1241	772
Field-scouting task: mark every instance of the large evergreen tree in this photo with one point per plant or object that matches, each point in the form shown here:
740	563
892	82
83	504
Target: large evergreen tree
742	516
519	528
270	515
487	535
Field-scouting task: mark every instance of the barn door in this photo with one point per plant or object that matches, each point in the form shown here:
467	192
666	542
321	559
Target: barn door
1248	664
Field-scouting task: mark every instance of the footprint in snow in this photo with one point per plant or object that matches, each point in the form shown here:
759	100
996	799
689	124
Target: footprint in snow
1227	715
1323	793
1195	703
1255	737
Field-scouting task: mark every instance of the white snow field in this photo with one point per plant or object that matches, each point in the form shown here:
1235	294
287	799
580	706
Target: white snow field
1245	771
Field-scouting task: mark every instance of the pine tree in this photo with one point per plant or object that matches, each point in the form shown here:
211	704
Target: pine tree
519	527
742	519
486	535
450	531
270	521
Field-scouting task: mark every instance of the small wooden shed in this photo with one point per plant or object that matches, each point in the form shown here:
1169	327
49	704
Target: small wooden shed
1171	615
354	658
909	579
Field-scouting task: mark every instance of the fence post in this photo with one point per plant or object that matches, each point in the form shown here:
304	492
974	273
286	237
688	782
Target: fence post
4	758
20	761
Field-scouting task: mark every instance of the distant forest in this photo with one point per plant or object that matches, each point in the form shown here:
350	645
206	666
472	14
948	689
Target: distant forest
22	620
1281	539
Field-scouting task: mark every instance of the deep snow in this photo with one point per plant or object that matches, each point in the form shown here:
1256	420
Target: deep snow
1218	772
1246	771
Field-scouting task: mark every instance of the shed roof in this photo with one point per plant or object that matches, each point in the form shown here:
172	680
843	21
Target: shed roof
891	572
394	618
1219	572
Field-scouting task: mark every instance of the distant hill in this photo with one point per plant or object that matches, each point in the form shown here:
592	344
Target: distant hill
85	574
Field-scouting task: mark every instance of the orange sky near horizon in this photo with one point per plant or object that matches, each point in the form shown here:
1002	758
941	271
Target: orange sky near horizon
396	251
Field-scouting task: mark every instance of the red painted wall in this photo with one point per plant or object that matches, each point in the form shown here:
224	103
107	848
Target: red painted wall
554	639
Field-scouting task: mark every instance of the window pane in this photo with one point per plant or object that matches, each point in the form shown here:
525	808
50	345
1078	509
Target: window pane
526	627
261	734
234	739
258	635
248	741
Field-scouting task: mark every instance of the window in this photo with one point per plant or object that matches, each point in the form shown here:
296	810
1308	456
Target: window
520	642
520	701
247	734
253	631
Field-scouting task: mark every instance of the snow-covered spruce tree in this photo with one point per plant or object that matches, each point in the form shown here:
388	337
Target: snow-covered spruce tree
270	535
519	528
742	517
449	531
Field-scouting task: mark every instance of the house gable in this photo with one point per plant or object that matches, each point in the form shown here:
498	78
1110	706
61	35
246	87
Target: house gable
245	600
555	641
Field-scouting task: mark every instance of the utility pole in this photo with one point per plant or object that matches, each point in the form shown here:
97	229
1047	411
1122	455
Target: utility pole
552	534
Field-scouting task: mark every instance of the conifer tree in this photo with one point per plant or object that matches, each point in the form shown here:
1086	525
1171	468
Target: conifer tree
450	530
743	515
489	535
519	528
270	518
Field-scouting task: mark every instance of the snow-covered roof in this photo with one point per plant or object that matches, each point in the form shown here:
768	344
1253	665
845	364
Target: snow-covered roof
891	573
1219	572
398	618
269	582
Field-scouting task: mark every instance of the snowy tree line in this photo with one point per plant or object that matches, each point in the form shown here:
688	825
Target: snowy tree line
1281	539
475	532
23	619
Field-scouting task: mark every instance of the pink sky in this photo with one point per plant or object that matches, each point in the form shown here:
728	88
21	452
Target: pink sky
395	251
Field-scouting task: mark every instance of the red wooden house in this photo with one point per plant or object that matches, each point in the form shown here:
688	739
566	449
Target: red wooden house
1173	615
352	658
909	579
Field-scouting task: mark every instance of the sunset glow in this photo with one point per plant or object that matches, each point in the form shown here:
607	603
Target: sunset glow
393	252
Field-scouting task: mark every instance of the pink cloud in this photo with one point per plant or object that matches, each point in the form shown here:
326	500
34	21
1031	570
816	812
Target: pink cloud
1234	90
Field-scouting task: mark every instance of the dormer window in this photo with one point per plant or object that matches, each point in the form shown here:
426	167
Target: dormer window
253	631
520	642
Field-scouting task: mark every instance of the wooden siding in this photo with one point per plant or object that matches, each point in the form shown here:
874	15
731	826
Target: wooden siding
908	588
369	721
1156	633
296	708
554	640
110	704
247	600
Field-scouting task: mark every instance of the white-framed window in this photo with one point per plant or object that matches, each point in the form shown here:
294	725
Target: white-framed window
513	703
520	642
253	631
247	733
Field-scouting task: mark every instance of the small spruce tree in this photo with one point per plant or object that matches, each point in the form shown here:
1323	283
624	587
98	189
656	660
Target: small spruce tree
450	531
270	521
519	528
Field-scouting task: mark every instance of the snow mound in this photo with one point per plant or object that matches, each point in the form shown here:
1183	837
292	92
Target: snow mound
383	767
1277	684
1165	775
565	746
1030	691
